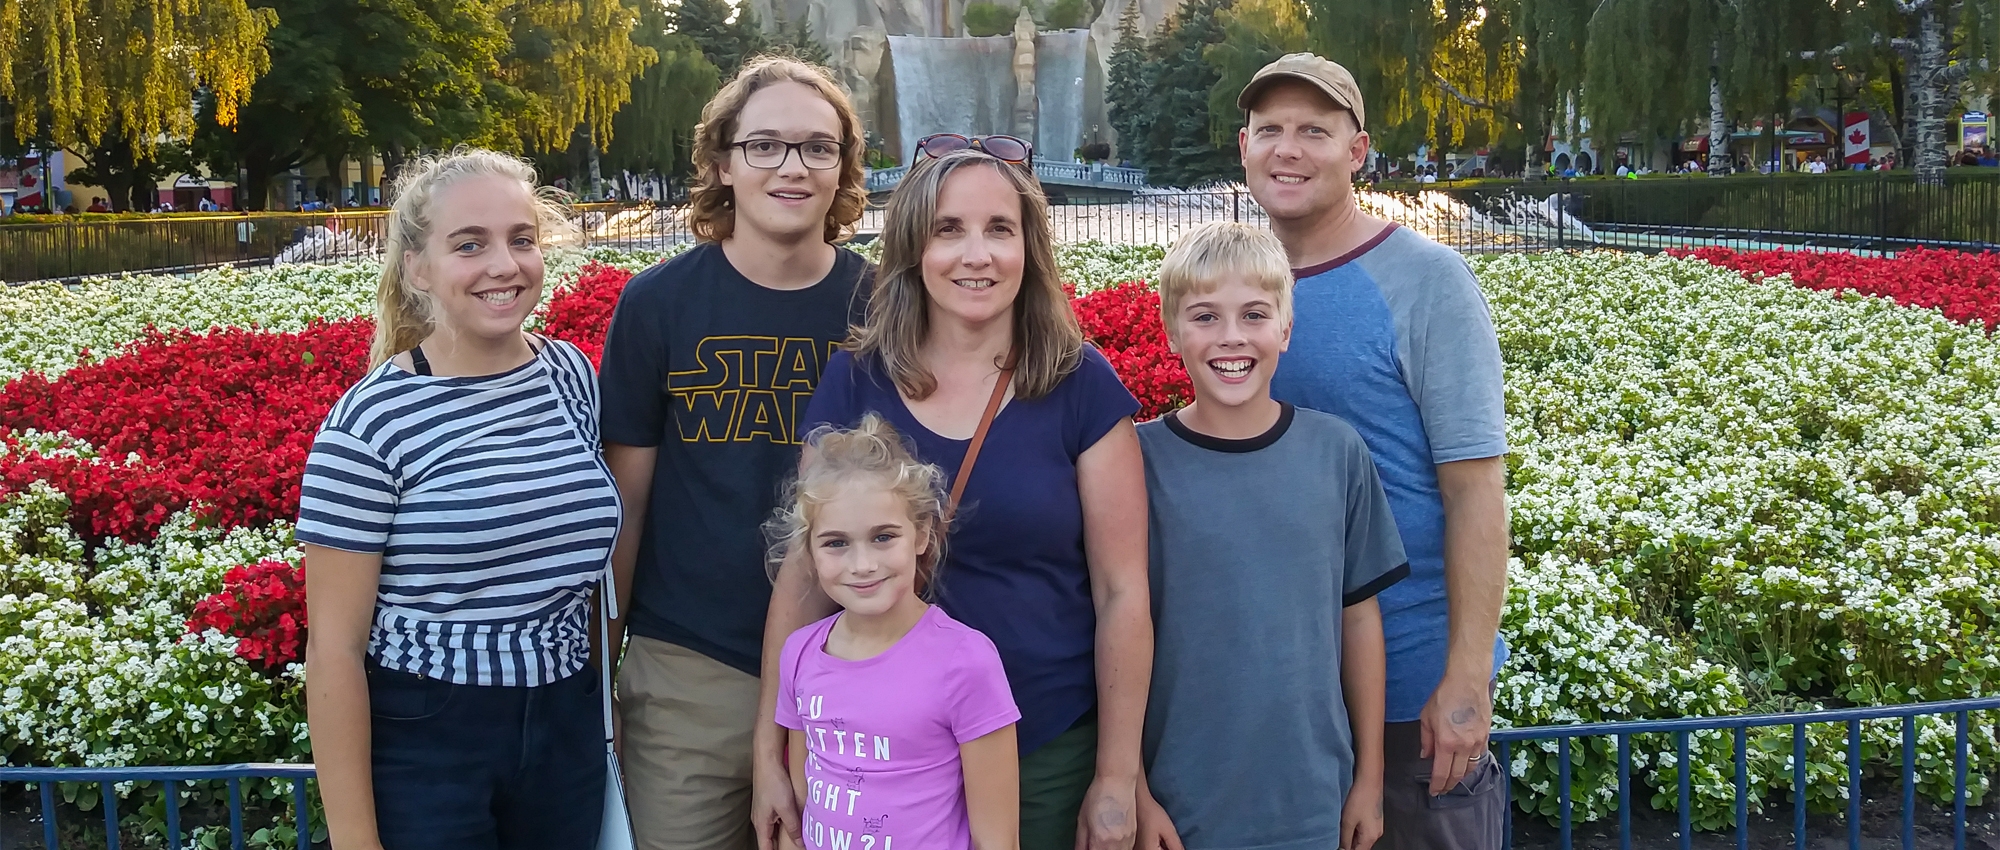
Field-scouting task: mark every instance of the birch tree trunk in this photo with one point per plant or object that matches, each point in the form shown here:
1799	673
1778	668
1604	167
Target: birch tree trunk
596	172
1930	88
1718	126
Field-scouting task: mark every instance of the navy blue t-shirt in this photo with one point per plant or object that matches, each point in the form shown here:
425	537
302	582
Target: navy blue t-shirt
715	370
1014	564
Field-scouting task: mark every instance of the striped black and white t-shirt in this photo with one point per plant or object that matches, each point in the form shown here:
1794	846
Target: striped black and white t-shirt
491	506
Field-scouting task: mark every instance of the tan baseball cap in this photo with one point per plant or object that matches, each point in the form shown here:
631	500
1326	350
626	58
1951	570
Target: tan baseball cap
1323	73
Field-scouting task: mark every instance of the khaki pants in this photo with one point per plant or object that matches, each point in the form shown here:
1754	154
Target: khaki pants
688	721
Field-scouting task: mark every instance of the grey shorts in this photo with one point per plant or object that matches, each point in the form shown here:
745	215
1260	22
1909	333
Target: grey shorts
1466	817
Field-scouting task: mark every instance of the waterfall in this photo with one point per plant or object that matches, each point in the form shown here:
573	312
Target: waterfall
1059	64
953	85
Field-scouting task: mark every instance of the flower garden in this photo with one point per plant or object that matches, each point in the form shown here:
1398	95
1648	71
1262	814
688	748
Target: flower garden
1729	494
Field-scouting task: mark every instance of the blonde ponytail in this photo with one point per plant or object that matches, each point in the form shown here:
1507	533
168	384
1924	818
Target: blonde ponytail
404	315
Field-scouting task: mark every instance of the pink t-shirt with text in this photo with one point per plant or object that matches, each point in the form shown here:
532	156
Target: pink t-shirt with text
882	734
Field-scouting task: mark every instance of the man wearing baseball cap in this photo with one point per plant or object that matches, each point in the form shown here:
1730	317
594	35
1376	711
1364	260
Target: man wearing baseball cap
1391	333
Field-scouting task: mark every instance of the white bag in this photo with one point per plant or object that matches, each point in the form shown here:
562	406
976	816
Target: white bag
617	831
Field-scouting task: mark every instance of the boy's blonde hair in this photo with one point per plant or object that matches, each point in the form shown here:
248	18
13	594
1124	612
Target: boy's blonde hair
1203	257
405	315
870	451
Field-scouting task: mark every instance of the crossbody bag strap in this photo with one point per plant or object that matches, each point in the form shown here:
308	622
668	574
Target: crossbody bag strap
979	438
606	600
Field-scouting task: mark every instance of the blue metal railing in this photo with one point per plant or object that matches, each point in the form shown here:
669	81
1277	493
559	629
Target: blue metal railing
1682	728
109	777
1504	740
884	179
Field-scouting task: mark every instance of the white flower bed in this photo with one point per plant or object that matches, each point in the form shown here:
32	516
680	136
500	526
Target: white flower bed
1732	497
96	663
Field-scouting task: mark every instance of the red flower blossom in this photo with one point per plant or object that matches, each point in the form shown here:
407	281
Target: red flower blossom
264	606
581	314
1124	322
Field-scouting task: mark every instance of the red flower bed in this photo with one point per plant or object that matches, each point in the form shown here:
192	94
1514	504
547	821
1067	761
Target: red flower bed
581	314
1124	322
1965	287
264	606
219	421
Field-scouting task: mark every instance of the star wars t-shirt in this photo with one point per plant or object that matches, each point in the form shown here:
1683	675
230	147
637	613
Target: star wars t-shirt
716	371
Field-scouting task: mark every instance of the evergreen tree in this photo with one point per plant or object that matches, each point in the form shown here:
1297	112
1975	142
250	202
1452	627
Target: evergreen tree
1179	150
795	39
1127	85
725	42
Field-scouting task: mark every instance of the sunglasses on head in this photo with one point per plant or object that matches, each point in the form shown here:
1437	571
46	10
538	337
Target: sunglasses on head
1003	148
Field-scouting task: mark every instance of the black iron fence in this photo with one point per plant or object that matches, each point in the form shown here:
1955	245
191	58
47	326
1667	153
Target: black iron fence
69	249
1883	211
1866	211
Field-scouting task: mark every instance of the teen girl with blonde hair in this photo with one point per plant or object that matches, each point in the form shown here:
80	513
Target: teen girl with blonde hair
456	514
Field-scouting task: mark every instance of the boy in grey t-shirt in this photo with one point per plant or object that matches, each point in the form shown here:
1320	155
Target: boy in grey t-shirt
1270	538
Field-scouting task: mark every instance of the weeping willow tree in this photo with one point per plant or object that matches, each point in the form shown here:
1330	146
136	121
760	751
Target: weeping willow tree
1438	71
655	131
1255	33
77	70
574	62
1652	66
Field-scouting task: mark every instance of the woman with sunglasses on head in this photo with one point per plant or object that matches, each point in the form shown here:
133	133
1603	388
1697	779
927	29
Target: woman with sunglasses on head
971	349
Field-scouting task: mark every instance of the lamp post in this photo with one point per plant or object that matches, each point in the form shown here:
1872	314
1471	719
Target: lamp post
1844	78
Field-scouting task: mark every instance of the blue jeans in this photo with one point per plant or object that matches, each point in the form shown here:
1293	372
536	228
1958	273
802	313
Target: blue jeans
469	767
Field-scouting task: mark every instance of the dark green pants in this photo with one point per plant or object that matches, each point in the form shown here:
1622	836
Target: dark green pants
1054	779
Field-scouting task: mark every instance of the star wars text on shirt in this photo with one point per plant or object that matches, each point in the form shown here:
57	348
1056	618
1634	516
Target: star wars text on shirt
748	388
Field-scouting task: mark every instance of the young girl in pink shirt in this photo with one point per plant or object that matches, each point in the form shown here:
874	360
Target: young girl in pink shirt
902	722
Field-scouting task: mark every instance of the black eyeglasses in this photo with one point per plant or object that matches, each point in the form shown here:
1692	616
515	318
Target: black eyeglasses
816	154
1003	148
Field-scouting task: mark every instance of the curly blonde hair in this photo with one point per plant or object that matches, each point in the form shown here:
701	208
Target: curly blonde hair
404	314
871	451
712	205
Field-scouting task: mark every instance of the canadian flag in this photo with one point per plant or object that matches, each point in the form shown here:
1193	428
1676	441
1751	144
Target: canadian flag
1855	136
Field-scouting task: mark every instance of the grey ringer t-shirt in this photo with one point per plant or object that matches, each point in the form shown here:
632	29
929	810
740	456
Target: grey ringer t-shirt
1257	547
